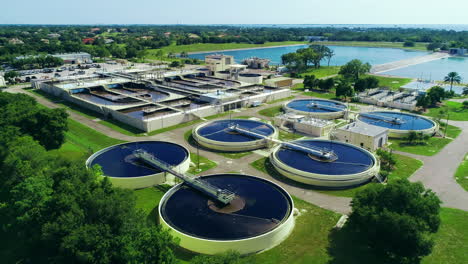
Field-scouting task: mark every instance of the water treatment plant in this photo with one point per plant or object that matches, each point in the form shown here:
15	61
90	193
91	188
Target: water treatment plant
399	124
119	163
318	108
334	164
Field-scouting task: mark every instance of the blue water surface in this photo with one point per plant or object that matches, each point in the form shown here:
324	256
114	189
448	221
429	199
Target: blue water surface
350	160
219	131
119	161
399	121
343	54
316	106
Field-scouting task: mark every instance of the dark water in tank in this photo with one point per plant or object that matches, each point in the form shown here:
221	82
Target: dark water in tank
316	106
266	207
404	121
120	162
219	131
350	159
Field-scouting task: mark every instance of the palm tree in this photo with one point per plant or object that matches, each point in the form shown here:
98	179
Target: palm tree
451	78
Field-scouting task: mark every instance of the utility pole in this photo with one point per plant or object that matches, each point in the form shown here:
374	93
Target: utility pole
446	124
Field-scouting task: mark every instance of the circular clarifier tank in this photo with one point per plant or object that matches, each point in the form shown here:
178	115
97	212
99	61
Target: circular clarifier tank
318	108
233	134
125	170
259	217
334	164
399	124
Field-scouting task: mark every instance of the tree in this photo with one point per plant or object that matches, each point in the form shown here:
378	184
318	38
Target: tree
360	85
10	76
328	84
436	94
451	78
465	104
344	89
408	44
433	46
372	82
424	102
465	90
183	54
329	55
310	81
396	220
355	68
412	137
387	160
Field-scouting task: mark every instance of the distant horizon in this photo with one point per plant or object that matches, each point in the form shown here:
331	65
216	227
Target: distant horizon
212	12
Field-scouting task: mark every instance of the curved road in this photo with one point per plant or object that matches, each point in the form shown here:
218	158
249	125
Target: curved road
437	172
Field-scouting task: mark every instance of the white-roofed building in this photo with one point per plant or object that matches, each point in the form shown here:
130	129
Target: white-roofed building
363	135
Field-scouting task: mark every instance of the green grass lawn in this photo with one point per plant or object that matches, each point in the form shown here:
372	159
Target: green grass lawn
287	136
461	175
392	82
376	44
316	93
205	164
323	71
433	146
404	168
201	47
451	241
456	112
271	112
82	141
308	242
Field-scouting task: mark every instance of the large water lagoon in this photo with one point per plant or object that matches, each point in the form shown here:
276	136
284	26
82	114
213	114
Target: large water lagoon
435	70
342	54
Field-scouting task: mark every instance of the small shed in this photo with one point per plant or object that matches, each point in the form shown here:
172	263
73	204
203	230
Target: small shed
280	82
362	135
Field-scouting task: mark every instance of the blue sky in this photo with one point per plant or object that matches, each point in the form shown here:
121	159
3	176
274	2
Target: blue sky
234	12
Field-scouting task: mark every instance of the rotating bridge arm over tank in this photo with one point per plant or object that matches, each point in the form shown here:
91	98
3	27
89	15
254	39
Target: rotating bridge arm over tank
221	195
325	107
326	155
388	119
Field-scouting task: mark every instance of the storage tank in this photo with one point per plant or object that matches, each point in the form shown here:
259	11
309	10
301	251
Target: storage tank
221	135
399	124
126	171
253	78
260	216
318	108
334	164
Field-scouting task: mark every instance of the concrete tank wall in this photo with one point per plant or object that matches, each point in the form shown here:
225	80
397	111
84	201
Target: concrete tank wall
230	146
243	246
324	180
321	115
251	78
142	181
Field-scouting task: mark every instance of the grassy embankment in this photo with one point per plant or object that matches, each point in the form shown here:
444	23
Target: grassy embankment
81	141
461	175
376	44
431	147
456	111
314	240
205	47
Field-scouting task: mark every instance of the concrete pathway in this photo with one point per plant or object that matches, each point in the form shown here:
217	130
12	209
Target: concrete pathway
438	171
408	62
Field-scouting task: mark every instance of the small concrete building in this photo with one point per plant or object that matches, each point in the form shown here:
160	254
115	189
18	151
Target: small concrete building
307	125
457	51
218	62
279	82
363	135
75	58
